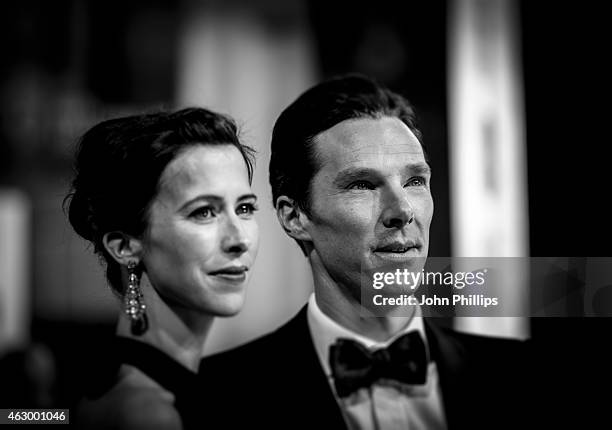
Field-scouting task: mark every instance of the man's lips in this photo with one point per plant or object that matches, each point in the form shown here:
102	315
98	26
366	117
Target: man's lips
397	247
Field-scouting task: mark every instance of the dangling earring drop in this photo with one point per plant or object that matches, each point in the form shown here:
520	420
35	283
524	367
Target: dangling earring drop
134	302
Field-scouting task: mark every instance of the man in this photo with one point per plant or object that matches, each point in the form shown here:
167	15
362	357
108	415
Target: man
350	185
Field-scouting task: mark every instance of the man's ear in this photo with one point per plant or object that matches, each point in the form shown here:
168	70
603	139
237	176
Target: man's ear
122	247
292	218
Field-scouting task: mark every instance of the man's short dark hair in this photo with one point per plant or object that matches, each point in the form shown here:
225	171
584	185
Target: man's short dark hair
293	162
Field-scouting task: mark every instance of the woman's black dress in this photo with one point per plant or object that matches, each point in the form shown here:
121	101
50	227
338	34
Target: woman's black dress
160	367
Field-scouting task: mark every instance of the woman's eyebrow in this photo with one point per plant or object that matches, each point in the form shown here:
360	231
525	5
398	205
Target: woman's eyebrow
247	196
208	197
213	199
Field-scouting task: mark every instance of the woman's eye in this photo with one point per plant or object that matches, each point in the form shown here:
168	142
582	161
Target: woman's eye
203	213
361	185
417	181
246	209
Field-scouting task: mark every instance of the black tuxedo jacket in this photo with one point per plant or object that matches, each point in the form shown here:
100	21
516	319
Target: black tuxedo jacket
277	381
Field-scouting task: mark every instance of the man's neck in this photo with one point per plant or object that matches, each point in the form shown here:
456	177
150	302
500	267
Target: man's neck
335	302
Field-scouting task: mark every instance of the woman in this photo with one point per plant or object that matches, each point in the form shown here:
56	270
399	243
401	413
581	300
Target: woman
165	199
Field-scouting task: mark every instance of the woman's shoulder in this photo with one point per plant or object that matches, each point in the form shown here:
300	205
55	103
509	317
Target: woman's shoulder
135	401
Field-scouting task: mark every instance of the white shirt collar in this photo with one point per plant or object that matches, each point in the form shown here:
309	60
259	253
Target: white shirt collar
325	331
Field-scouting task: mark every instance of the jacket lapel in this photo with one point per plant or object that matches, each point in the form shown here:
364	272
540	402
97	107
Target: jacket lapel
451	361
310	395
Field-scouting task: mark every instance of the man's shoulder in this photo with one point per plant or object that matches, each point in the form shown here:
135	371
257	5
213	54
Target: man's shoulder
267	350
252	349
483	341
280	376
466	352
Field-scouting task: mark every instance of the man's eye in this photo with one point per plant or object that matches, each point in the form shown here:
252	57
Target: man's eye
204	212
361	185
417	181
246	209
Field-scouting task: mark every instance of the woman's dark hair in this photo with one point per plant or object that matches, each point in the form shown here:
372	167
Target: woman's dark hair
118	166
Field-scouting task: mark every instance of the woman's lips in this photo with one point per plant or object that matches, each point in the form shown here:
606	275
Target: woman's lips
233	273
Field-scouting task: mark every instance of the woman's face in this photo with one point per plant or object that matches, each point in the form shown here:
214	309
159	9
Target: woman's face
202	237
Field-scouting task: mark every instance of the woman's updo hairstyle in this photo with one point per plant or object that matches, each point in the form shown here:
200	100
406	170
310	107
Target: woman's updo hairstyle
118	166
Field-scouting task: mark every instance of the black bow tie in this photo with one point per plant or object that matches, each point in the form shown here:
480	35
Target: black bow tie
354	366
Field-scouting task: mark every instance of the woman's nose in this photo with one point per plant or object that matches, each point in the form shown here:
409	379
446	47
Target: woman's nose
234	241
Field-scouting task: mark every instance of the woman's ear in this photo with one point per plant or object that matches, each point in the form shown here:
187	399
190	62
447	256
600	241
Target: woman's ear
122	247
293	219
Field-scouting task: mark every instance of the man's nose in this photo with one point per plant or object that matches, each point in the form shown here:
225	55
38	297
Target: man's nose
235	240
397	210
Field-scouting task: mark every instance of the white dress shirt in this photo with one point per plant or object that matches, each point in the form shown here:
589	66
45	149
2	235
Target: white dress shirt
383	406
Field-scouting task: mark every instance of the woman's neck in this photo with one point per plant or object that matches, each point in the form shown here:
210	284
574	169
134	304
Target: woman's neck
178	332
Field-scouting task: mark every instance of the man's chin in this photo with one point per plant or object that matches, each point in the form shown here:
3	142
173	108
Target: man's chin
411	260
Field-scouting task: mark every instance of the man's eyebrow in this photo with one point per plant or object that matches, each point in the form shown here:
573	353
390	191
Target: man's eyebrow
420	168
352	174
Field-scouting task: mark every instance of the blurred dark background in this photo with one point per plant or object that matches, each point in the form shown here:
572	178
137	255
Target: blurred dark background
564	75
68	64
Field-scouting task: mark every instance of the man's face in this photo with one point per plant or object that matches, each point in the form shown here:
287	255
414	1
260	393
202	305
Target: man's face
371	204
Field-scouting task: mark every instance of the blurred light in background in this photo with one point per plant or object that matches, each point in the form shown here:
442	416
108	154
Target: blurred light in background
487	147
15	312
240	61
